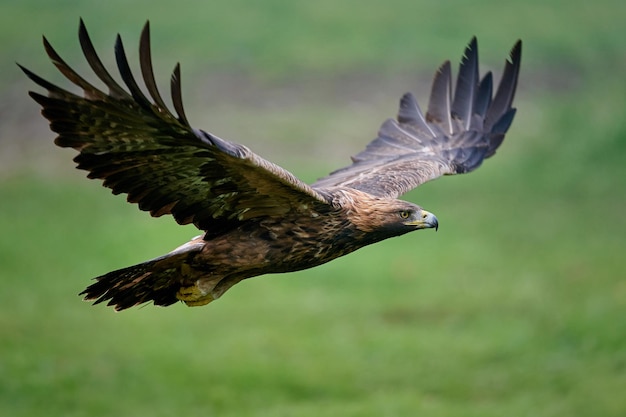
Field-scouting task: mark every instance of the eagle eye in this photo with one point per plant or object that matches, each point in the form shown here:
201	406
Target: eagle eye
405	214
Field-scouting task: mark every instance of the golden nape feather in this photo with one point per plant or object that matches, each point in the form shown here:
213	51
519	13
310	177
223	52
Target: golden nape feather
257	218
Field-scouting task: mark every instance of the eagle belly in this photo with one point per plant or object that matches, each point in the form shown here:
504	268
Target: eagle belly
265	247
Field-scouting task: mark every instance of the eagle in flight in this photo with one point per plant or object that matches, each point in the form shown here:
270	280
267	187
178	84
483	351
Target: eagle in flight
257	218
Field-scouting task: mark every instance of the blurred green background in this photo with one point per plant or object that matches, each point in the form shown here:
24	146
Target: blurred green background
514	308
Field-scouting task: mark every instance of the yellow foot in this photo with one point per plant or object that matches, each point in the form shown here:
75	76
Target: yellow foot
193	296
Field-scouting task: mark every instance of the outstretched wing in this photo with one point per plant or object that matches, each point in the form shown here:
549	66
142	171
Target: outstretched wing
138	147
454	137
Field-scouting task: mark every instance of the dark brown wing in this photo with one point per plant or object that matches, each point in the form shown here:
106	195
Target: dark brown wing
138	147
456	135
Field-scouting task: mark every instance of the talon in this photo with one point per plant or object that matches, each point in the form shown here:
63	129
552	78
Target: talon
193	296
200	301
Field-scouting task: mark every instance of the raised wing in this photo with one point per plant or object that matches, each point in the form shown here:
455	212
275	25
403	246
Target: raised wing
456	135
138	147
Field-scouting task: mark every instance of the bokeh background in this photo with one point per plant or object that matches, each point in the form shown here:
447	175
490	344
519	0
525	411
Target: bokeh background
516	307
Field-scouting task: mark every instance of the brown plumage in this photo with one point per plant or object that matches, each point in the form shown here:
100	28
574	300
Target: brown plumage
256	217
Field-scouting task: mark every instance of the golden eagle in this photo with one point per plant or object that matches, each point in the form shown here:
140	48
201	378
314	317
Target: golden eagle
256	217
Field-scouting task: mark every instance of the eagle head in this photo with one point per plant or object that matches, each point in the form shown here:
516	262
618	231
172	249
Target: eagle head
398	217
385	217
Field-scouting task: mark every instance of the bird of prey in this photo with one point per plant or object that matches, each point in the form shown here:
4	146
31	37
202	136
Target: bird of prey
257	218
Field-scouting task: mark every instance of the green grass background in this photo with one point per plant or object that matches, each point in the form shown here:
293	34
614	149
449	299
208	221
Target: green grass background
516	307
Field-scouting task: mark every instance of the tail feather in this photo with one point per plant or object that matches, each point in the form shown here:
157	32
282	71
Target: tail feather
137	284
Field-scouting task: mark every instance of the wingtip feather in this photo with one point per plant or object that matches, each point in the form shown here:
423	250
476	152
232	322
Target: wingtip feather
410	113
147	71
440	97
507	87
466	85
177	98
115	90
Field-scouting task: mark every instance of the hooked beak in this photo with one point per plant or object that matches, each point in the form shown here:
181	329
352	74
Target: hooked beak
426	221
